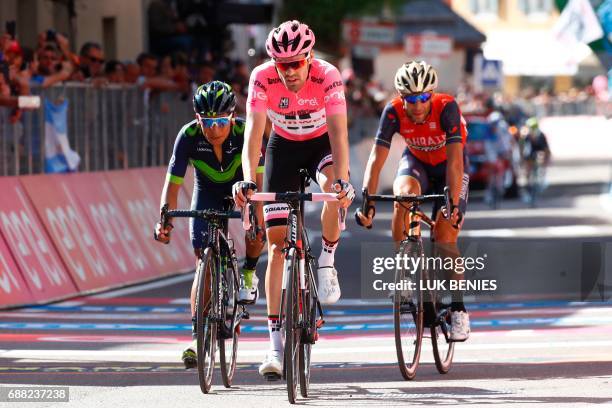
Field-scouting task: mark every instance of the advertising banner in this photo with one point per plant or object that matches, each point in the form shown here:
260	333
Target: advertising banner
70	231
33	251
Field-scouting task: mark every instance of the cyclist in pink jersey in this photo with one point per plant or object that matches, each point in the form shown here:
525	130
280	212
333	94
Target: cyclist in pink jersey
304	99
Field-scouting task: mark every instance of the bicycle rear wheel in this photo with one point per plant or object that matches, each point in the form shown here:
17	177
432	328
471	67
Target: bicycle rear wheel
443	349
292	331
229	333
309	310
408	312
205	319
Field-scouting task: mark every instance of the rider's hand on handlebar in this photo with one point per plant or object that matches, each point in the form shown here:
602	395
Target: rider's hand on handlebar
162	234
345	193
242	191
362	219
456	217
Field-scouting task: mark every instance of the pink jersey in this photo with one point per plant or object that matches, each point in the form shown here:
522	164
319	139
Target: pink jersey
303	115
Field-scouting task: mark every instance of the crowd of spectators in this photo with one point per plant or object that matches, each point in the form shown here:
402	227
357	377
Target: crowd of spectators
52	62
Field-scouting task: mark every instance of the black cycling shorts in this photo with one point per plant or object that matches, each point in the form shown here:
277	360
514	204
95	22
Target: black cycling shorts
432	179
284	159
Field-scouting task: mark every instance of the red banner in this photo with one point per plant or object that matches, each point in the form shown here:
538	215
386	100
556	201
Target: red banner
140	201
13	289
71	232
33	251
123	247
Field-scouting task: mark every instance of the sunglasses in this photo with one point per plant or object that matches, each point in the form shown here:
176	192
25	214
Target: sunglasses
98	60
210	122
295	65
412	99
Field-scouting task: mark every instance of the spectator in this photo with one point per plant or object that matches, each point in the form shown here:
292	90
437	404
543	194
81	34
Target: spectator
148	65
149	78
132	72
115	72
47	70
91	62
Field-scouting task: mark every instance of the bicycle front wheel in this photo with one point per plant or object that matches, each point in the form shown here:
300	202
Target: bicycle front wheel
229	333
309	310
443	348
408	312
292	330
205	319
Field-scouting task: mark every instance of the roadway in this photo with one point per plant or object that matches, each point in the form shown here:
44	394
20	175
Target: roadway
122	348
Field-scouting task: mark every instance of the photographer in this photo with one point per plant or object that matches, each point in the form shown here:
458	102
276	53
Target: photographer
48	69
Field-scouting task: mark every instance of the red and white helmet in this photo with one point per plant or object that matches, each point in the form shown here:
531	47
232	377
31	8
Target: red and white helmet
289	39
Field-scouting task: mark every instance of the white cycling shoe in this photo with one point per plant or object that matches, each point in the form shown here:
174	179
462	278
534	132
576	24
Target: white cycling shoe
271	368
248	294
329	287
460	326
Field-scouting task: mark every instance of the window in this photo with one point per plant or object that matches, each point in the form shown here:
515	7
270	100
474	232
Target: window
536	7
484	7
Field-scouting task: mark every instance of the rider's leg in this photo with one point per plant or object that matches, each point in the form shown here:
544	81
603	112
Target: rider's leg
329	219
400	222
411	178
329	287
445	246
249	282
274	275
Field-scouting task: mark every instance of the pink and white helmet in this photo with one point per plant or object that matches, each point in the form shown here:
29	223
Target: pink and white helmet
289	39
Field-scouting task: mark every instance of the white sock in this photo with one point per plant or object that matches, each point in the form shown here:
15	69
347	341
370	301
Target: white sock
327	252
276	340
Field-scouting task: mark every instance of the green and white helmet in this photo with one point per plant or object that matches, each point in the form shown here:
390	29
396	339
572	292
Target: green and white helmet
214	98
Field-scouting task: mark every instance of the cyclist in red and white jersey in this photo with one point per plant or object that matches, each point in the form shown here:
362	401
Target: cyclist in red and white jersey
435	133
304	99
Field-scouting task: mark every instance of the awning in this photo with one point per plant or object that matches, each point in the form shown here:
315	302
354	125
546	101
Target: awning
534	53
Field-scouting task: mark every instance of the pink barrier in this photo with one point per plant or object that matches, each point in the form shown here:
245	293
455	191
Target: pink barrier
13	289
65	235
140	200
69	229
123	248
181	241
33	251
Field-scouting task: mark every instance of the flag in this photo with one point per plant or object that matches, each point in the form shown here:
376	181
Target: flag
59	157
578	23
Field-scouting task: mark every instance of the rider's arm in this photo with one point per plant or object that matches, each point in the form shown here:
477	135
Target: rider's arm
176	172
256	106
337	122
253	135
451	124
387	127
338	139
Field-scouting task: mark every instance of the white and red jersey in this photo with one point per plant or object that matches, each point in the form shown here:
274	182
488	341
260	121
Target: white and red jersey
298	115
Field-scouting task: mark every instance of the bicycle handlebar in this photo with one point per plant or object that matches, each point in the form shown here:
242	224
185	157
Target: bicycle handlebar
206	214
292	197
407	199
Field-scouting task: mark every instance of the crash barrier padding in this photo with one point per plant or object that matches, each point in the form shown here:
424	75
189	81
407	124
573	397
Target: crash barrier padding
36	260
68	235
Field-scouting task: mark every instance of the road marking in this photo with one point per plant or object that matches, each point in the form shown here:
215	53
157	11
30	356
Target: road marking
329	309
604	319
100	355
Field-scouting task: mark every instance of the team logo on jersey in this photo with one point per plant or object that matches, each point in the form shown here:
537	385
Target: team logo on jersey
432	125
284	103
